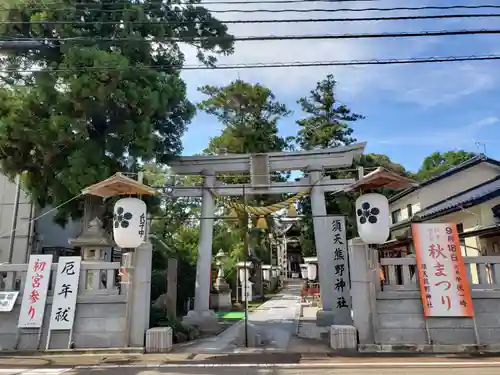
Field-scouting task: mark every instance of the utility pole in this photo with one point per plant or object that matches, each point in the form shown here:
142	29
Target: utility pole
15	215
245	247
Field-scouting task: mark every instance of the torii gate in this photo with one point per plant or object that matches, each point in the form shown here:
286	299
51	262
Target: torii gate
260	166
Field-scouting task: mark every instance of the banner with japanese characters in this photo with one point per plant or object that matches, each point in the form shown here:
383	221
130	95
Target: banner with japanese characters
35	291
65	293
336	226
444	287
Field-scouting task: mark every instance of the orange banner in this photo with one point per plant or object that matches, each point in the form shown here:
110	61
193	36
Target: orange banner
444	287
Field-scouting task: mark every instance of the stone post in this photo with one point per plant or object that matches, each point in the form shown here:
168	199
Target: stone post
244	276
141	289
202	317
324	249
204	263
363	276
172	287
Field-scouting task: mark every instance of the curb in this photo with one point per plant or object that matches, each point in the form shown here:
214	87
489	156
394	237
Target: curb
427	349
72	352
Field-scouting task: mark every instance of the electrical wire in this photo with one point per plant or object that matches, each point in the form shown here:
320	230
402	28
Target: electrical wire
326	10
296	64
261	38
255	21
202	3
41	215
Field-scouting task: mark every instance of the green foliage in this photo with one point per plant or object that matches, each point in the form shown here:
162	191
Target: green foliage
101	94
327	123
250	115
436	163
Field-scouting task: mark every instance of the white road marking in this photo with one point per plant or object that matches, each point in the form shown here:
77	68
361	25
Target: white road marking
311	365
34	371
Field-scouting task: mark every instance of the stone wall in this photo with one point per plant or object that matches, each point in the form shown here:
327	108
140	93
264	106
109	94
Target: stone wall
392	312
100	322
400	320
101	310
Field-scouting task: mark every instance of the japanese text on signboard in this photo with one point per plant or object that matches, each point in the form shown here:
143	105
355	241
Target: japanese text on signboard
65	293
444	286
35	291
341	275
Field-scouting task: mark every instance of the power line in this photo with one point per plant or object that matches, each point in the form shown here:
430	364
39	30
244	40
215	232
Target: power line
336	10
217	2
260	38
300	20
296	64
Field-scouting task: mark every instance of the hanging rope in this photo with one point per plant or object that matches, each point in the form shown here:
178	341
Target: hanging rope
262	211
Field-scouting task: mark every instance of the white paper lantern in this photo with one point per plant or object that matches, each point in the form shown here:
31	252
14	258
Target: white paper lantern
312	271
129	222
372	216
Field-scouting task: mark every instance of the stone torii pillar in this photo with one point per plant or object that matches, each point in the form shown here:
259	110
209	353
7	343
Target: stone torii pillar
202	316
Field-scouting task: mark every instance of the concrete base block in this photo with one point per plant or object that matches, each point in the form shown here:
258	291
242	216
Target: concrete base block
206	321
159	340
343	337
325	318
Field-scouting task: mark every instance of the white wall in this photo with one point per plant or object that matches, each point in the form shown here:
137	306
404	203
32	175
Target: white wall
445	188
7	197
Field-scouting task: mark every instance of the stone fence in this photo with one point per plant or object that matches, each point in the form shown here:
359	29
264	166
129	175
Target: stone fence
100	318
391	312
108	314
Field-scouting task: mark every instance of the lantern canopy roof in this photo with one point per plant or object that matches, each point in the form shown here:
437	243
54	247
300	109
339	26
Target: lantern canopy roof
118	184
380	178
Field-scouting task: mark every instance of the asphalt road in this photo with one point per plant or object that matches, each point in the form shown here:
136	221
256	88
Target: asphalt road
336	367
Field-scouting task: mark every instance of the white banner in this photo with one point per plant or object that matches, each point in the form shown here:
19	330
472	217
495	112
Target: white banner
65	293
35	291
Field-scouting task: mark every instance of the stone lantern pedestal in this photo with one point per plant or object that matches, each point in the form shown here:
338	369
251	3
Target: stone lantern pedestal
221	300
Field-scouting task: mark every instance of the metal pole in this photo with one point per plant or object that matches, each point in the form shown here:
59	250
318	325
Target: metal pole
31	227
14	219
245	247
129	297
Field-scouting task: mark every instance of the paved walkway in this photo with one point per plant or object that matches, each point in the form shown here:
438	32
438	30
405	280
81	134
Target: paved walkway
276	319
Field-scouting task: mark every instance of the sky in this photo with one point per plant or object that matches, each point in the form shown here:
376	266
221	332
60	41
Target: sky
410	110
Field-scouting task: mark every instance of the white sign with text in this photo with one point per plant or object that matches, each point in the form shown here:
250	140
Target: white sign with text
65	293
35	291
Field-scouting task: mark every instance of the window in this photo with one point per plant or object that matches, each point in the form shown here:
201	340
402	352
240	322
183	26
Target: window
410	212
396	216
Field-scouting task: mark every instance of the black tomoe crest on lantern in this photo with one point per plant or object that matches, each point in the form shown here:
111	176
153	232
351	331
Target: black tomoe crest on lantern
367	214
372	216
121	218
129	222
